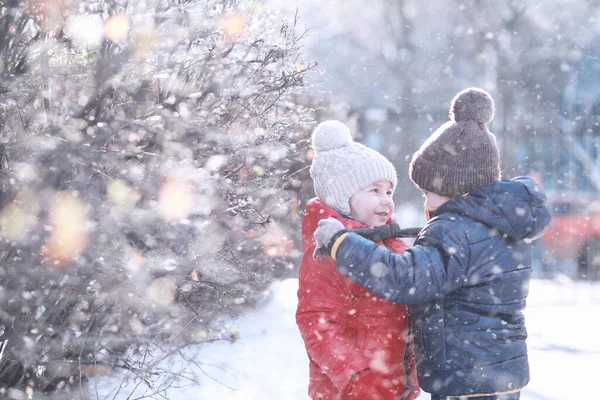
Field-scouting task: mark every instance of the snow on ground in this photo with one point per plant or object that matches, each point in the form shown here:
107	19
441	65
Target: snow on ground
268	360
564	349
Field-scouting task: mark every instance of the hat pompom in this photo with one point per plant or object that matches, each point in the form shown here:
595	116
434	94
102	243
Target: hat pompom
331	135
473	103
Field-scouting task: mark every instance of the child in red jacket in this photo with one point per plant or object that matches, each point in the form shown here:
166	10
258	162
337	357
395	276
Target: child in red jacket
359	345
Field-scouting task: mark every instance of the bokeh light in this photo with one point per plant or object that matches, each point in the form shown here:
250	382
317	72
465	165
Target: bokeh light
51	14
175	200
162	291
274	239
122	194
116	27
69	234
85	29
233	25
18	215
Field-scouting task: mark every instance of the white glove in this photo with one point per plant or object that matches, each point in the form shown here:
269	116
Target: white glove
325	231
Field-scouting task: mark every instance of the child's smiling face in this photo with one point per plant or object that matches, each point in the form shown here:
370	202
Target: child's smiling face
374	204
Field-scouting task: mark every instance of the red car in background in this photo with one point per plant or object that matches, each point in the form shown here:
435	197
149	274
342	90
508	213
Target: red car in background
574	232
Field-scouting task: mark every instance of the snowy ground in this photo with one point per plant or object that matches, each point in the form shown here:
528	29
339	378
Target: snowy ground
268	361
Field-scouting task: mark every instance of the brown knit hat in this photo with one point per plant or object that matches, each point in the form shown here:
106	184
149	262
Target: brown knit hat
462	154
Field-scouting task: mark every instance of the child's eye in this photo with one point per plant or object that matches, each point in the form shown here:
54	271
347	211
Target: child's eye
375	190
389	193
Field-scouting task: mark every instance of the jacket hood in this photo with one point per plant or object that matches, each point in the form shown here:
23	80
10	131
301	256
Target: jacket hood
516	207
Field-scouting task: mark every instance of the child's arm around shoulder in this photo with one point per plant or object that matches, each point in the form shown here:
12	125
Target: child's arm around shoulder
435	266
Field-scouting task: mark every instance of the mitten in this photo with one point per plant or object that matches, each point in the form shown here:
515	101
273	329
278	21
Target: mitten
326	230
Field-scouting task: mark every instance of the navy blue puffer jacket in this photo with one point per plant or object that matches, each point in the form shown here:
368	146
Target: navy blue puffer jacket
467	279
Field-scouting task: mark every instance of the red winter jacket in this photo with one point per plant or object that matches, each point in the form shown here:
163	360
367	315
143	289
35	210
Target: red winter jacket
346	328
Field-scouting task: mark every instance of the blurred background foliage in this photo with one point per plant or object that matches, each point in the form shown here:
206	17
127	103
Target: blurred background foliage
398	64
150	154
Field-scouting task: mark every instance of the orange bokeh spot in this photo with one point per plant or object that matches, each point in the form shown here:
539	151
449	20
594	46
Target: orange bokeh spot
69	235
175	200
234	25
275	241
51	14
116	27
310	154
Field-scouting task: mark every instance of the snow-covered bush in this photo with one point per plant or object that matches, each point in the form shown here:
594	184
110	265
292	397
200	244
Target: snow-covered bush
148	177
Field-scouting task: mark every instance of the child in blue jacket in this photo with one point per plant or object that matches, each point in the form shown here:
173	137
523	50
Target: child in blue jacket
467	276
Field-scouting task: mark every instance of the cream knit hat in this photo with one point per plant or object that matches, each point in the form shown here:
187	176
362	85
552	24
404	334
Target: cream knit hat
342	167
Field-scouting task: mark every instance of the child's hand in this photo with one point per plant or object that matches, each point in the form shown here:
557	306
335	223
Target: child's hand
325	231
